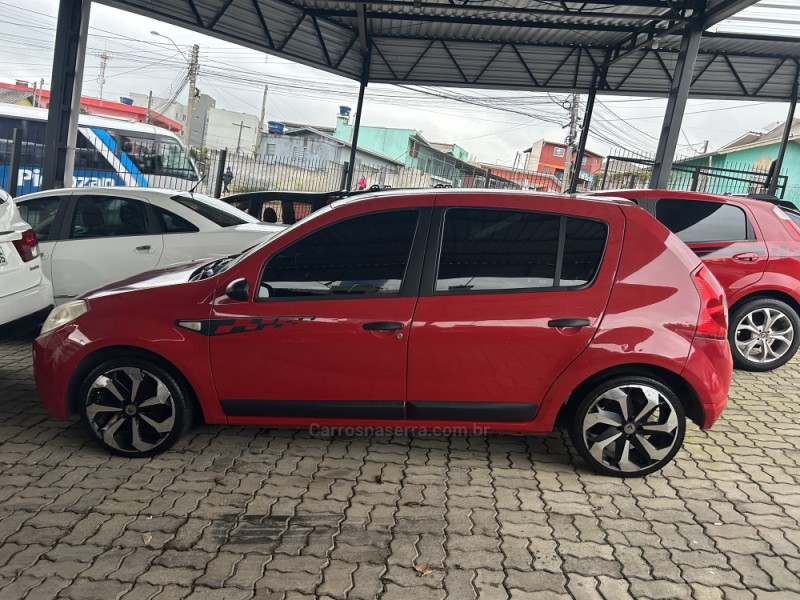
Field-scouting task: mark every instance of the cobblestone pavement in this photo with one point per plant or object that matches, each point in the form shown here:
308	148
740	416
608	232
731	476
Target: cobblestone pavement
235	513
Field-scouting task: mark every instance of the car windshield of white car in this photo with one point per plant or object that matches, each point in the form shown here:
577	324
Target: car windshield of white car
215	210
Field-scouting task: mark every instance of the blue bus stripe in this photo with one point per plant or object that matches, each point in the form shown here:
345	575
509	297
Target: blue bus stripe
127	163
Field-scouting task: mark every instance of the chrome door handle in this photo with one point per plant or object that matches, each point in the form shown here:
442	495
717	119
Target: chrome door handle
746	257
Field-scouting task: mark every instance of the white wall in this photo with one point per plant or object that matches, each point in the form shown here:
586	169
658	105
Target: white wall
222	130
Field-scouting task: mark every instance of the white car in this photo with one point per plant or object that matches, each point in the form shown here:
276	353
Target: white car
91	237
24	289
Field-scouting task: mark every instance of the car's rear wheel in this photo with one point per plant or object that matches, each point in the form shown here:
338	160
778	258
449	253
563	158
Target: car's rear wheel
134	407
628	426
764	334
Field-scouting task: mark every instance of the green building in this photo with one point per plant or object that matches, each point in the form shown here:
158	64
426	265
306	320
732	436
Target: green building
753	151
445	163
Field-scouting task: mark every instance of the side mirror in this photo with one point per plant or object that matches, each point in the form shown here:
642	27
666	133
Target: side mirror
238	290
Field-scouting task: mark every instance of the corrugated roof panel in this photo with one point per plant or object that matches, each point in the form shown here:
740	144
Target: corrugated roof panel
475	36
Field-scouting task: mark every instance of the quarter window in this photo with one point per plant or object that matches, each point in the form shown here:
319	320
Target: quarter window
105	216
701	221
363	256
502	250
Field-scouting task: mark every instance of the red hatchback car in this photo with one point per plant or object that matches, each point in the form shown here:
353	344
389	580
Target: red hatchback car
484	311
753	249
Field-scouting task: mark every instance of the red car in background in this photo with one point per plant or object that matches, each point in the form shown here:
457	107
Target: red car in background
441	311
752	246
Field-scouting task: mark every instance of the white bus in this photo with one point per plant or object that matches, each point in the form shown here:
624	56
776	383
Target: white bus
110	151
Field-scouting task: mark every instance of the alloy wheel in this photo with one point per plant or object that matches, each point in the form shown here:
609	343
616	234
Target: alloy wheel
764	335
130	409
630	428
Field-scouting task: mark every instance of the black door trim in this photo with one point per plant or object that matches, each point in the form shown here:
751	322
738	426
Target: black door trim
320	409
514	412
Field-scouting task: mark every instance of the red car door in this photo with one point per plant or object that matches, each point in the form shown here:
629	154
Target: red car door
324	333
722	234
512	296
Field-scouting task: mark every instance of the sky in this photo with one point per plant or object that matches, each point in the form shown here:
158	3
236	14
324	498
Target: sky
235	77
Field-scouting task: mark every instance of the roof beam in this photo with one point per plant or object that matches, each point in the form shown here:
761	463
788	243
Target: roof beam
459	20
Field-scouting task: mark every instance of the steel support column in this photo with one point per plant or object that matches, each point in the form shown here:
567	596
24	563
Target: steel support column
587	121
62	90
72	134
359	108
676	104
787	130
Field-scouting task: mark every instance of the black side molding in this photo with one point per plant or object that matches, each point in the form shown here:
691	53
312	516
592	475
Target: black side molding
321	409
515	412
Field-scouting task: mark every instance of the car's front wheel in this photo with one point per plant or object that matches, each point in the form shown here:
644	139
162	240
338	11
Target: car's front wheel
764	334
134	407
628	426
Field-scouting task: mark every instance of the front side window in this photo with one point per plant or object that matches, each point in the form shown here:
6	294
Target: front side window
702	221
485	250
107	216
40	214
362	256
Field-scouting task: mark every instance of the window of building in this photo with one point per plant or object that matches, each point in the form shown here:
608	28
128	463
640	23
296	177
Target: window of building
363	256
558	152
701	221
270	149
413	148
503	250
584	161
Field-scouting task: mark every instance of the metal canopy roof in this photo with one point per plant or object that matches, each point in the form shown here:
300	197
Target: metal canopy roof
551	45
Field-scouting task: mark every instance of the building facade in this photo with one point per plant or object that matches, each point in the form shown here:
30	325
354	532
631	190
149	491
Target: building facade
550	158
177	112
755	152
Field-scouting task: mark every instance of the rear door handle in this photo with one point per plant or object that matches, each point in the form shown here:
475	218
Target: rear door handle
383	326
746	257
569	323
143	248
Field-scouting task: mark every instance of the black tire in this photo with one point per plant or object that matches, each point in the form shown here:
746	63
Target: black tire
161	412
609	458
764	351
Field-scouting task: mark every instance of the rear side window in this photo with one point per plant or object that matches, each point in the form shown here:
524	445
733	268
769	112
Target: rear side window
362	256
502	250
40	214
172	223
106	216
701	221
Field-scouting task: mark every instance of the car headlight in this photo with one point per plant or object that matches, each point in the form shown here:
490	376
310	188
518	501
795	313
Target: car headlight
66	313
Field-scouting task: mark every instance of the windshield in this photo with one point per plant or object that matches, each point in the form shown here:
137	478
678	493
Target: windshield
278	235
214	210
156	154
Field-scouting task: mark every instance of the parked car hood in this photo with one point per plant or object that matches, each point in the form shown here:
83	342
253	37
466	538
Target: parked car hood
164	277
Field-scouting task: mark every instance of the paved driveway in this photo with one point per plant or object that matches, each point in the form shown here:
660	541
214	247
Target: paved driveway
246	513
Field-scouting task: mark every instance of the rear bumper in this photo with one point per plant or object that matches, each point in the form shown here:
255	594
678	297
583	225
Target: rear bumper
708	371
27	302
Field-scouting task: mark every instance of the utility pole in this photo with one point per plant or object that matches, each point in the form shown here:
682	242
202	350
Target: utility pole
101	77
241	126
573	133
147	118
261	119
193	68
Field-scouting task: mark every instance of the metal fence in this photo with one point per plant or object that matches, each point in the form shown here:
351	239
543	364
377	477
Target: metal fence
250	174
624	169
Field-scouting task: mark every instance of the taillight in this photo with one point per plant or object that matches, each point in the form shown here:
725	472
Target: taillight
28	246
713	321
791	226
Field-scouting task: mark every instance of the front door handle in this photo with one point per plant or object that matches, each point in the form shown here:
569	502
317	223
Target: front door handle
383	326
746	257
569	323
143	249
